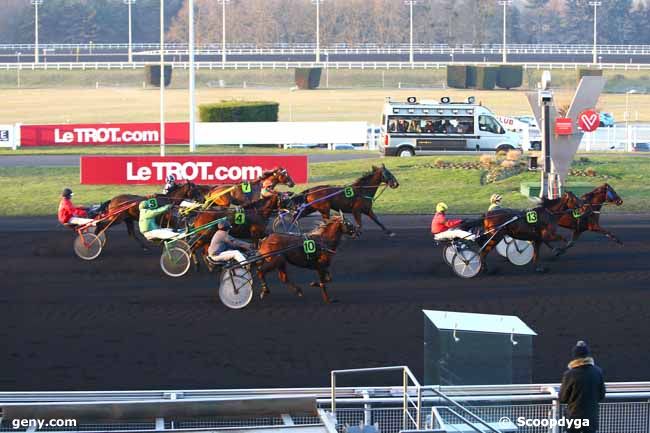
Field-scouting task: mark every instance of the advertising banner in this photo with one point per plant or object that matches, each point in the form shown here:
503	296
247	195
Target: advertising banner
152	170
102	134
7	136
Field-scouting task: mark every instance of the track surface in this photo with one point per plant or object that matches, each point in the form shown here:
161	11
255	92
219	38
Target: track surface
118	323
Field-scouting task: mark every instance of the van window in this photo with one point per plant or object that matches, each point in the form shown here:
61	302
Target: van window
431	124
489	124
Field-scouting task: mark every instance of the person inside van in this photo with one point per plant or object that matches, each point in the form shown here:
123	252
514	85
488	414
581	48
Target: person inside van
401	126
447	127
415	126
391	126
428	127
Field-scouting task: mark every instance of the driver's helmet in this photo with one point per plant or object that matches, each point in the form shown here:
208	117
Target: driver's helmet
67	193
496	198
441	207
170	179
224	225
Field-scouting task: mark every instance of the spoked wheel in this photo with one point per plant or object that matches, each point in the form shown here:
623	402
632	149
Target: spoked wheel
284	223
101	235
236	288
175	261
466	263
448	253
88	246
520	252
502	246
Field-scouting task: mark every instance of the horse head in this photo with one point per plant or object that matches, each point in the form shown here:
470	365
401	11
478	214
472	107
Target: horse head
188	190
281	177
388	177
610	195
345	225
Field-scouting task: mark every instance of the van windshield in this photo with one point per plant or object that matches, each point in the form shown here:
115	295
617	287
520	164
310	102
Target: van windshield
489	124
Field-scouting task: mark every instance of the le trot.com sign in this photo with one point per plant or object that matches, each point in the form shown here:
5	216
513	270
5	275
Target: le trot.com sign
152	170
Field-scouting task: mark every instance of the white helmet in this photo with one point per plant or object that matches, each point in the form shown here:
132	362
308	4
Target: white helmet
170	178
496	198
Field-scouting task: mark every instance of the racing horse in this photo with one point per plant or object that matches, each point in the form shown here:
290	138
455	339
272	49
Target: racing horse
176	195
538	225
248	192
587	216
249	222
356	198
280	249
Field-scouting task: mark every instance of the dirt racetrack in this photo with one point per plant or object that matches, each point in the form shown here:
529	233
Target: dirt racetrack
119	323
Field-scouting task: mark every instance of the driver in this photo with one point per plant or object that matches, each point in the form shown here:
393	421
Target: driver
223	247
446	229
495	202
70	214
149	210
170	183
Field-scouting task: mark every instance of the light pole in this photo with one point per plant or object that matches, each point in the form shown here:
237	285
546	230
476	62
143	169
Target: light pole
317	3
223	29
410	4
595	4
162	77
192	83
504	51
18	70
130	3
36	4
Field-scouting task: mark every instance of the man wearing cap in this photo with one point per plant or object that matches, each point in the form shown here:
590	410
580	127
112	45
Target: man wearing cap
582	389
149	211
69	213
447	229
495	202
223	247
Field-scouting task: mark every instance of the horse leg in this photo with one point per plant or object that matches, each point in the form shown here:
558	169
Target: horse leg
262	270
598	229
538	266
131	231
323	275
284	277
373	217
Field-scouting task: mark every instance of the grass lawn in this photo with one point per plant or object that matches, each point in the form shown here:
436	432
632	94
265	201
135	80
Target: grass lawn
70	105
35	191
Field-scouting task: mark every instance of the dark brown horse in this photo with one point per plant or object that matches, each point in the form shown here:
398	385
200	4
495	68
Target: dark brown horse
179	193
281	249
248	222
240	194
587	217
356	198
538	225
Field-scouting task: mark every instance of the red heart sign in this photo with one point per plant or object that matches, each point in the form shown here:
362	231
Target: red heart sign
588	120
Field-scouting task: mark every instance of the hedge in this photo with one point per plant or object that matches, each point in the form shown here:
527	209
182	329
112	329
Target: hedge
457	76
486	77
307	78
152	75
239	111
589	72
510	76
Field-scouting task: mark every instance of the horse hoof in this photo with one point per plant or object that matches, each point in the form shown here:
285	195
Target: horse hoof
300	294
391	234
541	270
558	251
314	284
264	294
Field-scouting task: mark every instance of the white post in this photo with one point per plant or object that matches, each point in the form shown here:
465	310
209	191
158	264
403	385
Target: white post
162	77
223	29
317	3
595	4
410	3
504	55
627	119
129	3
36	4
192	83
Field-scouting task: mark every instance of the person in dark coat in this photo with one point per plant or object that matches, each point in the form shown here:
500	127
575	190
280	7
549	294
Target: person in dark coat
583	388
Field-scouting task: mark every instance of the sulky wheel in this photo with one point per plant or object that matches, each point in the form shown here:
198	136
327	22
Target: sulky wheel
448	253
235	288
502	246
520	252
284	223
87	246
467	263
175	261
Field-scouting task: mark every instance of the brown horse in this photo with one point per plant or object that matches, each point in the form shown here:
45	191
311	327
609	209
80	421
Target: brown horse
587	217
179	193
356	198
538	225
280	249
236	194
248	222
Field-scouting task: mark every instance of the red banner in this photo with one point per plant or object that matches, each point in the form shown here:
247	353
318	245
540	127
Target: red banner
563	126
102	134
152	170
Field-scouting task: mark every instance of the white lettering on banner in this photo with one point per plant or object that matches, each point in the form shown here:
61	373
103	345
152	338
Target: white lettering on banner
191	171
104	135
